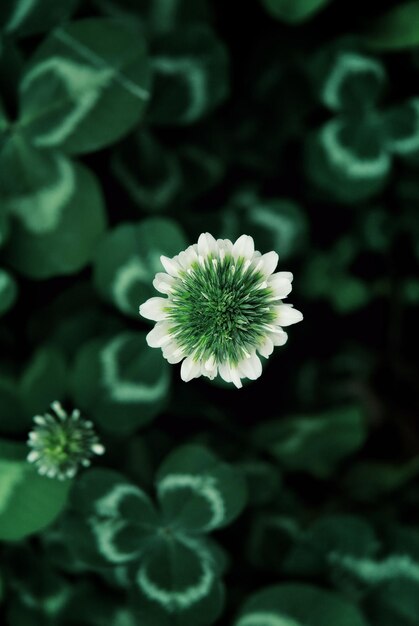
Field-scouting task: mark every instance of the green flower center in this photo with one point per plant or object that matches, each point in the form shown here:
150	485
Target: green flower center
220	309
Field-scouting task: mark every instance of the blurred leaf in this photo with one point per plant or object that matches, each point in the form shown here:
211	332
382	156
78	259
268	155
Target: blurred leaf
120	382
396	29
263	481
190	75
129	257
298	605
294	11
314	443
149	172
348	159
369	481
57	207
43	381
197	492
86	86
8	291
34	16
275	224
28	502
395	602
326	541
401	126
346	78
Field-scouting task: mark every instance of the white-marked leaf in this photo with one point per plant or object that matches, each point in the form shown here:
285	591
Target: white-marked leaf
8	291
57	208
120	382
294	11
190	75
28	502
160	16
315	443
328	541
86	86
178	583
149	172
116	519
129	257
199	492
278	224
27	17
402	128
346	78
348	159
298	605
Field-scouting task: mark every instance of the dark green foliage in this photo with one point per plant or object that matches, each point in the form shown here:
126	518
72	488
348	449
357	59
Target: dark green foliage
127	129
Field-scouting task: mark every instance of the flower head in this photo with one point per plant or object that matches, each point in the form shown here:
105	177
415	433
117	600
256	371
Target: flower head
223	306
61	443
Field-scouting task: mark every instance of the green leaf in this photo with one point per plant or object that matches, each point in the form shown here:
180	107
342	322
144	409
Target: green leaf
120	382
27	17
179	584
118	519
197	491
11	418
263	481
330	539
43	381
294	11
28	502
8	291
347	79
348	158
327	276
157	183
129	257
370	481
396	29
86	86
314	443
395	602
190	75
402	128
275	224
298	605
57	207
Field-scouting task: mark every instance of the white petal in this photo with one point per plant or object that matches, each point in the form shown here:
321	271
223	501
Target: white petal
171	266
288	275
266	348
267	263
159	336
225	246
251	367
187	257
235	377
244	247
206	245
173	353
281	286
287	315
153	309
163	282
190	369
279	338
224	372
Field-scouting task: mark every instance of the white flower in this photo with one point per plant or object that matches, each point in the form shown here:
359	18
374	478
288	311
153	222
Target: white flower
61	443
223	306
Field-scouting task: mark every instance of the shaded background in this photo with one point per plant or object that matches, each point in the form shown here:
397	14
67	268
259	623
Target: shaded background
128	128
